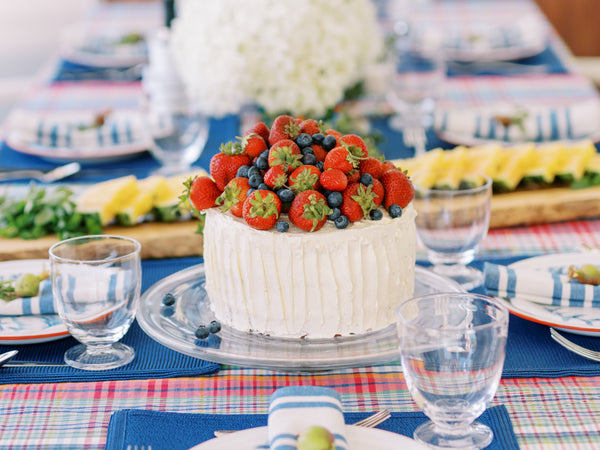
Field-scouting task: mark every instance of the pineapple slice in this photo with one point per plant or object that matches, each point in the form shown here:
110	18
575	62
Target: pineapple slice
150	190
168	207
577	158
105	199
548	161
515	162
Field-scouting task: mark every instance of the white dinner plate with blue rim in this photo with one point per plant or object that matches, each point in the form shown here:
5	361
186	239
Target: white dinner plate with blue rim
358	438
584	321
22	330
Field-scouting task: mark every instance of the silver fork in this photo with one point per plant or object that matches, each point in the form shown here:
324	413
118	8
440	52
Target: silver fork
139	447
45	177
368	422
578	349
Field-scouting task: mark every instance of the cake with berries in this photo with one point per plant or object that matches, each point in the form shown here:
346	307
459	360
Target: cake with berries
305	234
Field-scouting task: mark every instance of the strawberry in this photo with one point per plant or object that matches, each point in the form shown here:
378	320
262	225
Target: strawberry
357	201
310	126
202	192
234	195
283	127
253	144
371	166
309	210
387	165
320	152
379	192
353	176
339	158
334	180
275	177
352	140
304	178
261	209
286	153
261	129
398	189
225	164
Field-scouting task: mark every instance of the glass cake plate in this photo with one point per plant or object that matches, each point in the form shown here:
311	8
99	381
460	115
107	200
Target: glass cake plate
175	326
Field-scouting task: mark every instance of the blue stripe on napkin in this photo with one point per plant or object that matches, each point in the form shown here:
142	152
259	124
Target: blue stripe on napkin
131	427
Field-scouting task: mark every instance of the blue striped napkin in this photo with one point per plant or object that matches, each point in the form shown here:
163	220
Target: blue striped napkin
75	130
27	306
539	286
541	123
295	408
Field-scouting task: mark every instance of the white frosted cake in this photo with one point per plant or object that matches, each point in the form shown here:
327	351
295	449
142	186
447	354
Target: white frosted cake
315	285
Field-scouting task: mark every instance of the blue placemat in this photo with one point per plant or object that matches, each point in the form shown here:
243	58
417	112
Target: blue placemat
152	359
531	352
173	431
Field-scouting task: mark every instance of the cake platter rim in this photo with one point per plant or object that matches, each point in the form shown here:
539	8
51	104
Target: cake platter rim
174	326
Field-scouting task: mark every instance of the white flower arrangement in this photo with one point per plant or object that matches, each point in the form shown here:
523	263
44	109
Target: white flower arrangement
295	56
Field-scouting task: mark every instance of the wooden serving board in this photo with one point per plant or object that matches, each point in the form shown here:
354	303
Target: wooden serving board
159	240
171	240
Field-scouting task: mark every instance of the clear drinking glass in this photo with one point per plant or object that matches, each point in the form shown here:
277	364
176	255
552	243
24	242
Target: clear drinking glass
453	217
415	85
96	283
452	348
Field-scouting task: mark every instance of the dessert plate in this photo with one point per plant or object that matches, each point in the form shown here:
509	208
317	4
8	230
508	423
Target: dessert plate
174	326
584	321
35	329
358	437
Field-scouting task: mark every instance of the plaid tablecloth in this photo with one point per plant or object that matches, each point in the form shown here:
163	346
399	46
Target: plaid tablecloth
557	413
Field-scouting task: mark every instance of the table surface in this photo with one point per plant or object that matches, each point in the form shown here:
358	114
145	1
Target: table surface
554	413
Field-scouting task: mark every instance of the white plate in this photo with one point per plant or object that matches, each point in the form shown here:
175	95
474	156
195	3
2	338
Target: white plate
21	330
358	438
175	326
584	321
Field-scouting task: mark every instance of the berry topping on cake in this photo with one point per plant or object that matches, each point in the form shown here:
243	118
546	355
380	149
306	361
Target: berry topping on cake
261	209
266	172
309	210
233	197
202	192
225	164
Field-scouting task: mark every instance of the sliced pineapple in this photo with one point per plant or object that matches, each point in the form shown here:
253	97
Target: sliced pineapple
168	207
514	163
548	161
150	190
578	156
105	199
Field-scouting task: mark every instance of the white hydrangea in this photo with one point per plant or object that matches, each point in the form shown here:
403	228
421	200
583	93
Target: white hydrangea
295	56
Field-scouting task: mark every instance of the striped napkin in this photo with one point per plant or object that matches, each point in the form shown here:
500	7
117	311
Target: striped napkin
75	130
539	123
28	306
293	409
539	286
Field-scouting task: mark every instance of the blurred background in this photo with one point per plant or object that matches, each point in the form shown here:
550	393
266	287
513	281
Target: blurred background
24	50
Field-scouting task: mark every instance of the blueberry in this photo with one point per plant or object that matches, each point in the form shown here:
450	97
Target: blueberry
202	332
307	150
214	326
329	142
283	226
286	195
265	153
168	299
318	138
309	159
334	200
243	171
262	163
250	191
255	180
375	214
168	311
366	179
253	171
395	211
263	187
341	222
304	140
320	165
335	214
